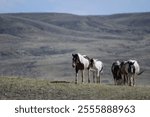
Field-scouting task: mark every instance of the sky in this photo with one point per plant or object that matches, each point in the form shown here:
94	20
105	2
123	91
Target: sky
79	7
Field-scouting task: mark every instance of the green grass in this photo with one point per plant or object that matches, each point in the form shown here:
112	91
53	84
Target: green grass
23	88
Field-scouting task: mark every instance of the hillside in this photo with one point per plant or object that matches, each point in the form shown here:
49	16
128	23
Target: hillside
39	45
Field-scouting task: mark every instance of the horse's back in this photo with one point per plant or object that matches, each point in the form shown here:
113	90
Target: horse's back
99	65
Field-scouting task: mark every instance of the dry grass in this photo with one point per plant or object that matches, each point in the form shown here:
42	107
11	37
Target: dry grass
19	88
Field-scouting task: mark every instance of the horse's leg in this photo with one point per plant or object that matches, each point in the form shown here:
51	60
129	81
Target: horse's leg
82	74
96	79
122	76
98	76
130	80
133	80
125	79
99	79
93	76
88	76
76	76
114	79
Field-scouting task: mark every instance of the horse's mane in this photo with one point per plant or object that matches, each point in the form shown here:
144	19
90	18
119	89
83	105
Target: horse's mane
85	56
82	57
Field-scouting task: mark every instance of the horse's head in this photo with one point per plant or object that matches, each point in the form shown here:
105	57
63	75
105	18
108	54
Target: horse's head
116	66
131	68
75	60
91	62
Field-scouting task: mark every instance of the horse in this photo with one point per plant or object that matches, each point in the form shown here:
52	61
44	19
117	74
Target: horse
129	70
133	71
80	62
124	72
97	67
115	69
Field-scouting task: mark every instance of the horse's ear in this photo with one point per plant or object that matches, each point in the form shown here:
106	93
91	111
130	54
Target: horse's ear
133	63
91	60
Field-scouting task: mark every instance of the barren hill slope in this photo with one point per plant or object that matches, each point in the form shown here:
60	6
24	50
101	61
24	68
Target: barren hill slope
39	45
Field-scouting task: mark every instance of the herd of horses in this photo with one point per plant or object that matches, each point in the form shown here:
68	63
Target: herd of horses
124	73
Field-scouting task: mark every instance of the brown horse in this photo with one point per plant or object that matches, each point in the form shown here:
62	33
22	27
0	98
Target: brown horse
124	72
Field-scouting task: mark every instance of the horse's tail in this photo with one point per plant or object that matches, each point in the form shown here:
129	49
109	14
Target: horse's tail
140	72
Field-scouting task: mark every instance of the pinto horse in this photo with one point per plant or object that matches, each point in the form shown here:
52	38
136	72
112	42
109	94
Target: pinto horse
80	62
97	66
130	69
133	71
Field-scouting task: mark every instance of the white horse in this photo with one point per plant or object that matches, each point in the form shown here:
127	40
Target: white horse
80	62
97	66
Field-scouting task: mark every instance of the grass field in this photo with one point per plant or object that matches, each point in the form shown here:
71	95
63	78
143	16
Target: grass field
24	88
